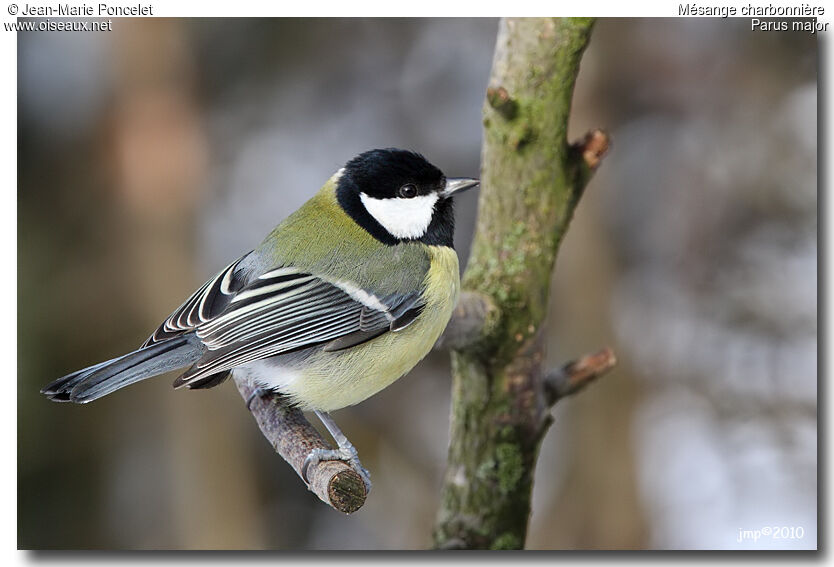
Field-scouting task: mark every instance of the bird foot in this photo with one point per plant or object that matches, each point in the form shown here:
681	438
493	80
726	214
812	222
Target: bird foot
348	454
257	393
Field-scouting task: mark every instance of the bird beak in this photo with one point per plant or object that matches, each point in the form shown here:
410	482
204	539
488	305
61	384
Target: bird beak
456	185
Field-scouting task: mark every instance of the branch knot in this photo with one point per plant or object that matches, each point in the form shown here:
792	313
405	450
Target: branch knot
499	99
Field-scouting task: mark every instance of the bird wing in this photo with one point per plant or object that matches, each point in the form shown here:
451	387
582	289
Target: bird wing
280	311
203	305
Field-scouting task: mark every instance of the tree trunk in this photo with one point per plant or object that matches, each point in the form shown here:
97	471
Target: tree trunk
531	181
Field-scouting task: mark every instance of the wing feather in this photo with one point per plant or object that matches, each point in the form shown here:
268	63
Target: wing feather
242	318
210	298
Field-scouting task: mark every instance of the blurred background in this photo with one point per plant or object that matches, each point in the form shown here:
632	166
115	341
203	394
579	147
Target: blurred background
151	156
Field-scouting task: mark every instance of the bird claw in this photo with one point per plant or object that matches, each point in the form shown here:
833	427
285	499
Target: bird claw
347	454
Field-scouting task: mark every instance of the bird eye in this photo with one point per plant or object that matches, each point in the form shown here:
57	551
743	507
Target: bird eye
408	191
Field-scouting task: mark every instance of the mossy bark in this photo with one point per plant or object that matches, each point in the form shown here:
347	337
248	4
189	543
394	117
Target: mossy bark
531	180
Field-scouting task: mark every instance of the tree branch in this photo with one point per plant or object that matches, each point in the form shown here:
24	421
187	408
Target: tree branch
292	437
472	316
574	376
531	182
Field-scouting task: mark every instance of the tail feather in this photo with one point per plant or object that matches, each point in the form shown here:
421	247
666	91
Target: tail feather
96	381
59	390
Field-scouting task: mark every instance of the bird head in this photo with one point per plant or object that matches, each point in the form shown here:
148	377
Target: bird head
397	195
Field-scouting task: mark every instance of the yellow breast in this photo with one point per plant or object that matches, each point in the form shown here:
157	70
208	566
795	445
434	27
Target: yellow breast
333	380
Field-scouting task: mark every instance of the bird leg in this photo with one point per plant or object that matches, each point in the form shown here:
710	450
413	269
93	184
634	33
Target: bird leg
346	452
257	393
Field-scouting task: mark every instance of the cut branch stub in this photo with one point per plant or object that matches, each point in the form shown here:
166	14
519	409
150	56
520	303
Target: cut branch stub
292	437
577	374
593	147
473	315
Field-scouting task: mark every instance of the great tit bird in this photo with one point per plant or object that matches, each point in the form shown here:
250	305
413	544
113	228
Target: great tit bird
341	299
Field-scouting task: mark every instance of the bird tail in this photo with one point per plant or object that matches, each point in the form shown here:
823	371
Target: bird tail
96	381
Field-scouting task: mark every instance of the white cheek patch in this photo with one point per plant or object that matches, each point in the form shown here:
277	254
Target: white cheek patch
403	218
